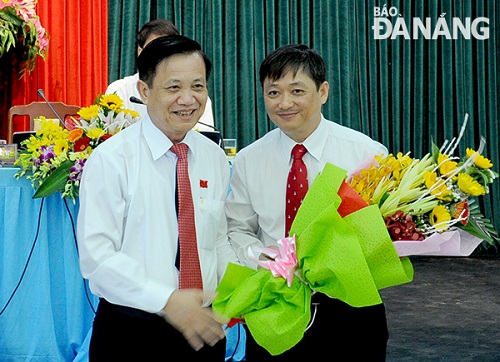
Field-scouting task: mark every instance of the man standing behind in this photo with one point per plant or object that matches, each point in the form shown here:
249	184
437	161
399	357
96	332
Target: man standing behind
140	195
127	87
294	85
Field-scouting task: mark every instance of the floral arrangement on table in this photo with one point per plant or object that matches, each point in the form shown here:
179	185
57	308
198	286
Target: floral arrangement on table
432	195
21	31
54	158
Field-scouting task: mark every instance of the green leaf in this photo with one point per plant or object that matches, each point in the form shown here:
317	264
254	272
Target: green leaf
55	181
479	225
434	152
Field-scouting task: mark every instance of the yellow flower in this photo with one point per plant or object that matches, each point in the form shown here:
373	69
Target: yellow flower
437	186
111	101
89	112
480	160
446	166
469	186
60	146
381	177
131	112
439	218
95	133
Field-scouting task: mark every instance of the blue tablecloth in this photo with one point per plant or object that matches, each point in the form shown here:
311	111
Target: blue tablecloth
46	308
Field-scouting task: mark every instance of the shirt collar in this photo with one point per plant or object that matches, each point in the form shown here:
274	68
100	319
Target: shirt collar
158	143
315	143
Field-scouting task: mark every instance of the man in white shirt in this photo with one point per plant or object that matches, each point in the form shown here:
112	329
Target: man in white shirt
126	87
294	85
128	222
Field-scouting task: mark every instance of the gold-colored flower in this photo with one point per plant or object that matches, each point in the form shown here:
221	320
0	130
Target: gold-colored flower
439	218
437	186
95	133
111	101
131	112
446	166
89	112
480	160
469	186
60	146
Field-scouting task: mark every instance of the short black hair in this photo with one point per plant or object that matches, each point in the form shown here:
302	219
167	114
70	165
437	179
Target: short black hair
158	27
293	58
163	47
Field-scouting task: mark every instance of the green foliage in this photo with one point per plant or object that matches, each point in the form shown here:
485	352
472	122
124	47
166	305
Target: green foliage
55	181
21	38
480	226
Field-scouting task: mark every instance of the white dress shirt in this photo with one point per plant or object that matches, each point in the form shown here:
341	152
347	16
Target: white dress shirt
127	223
256	204
127	87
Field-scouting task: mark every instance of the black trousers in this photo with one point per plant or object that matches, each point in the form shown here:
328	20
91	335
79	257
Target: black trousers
339	333
127	334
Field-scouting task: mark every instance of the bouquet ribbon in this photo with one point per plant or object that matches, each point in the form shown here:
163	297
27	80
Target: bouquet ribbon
343	250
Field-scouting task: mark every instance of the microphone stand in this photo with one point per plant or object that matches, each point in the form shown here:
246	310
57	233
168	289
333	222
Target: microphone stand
42	94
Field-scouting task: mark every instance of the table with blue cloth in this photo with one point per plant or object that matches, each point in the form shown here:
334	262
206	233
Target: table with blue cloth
46	307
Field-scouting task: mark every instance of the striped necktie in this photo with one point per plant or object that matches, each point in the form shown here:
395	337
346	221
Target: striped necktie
190	272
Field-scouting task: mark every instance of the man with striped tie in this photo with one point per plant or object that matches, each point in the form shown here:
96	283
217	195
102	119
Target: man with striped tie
152	234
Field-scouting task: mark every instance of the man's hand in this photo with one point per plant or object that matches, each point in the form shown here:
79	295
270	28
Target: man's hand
186	312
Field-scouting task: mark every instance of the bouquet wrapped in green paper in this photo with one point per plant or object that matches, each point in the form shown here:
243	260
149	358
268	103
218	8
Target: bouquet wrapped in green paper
343	249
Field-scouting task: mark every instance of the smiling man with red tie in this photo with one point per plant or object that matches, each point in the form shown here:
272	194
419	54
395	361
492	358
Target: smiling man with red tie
152	234
269	180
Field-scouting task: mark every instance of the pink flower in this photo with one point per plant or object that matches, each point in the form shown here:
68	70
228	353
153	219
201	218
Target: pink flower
285	259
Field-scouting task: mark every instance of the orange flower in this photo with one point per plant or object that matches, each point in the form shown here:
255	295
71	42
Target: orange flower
461	210
75	134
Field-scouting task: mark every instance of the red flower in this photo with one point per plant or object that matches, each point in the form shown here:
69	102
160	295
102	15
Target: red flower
204	184
81	144
402	227
71	121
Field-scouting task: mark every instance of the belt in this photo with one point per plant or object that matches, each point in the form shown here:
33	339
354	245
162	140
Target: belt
129	311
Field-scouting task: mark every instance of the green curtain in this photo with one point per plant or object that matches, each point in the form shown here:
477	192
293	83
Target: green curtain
405	93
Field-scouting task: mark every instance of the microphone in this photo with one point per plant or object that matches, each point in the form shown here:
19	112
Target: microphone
42	94
136	100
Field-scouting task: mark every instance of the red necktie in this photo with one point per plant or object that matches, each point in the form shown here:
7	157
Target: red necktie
296	187
190	272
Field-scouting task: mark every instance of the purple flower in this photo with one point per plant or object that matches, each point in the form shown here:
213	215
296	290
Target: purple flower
47	153
75	172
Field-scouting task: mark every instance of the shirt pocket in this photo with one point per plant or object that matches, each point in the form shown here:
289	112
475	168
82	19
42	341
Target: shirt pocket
211	221
210	207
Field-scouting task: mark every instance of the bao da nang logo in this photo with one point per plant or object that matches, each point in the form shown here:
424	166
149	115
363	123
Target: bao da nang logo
385	27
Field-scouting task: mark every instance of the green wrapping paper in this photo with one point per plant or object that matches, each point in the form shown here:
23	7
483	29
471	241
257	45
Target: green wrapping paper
348	258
